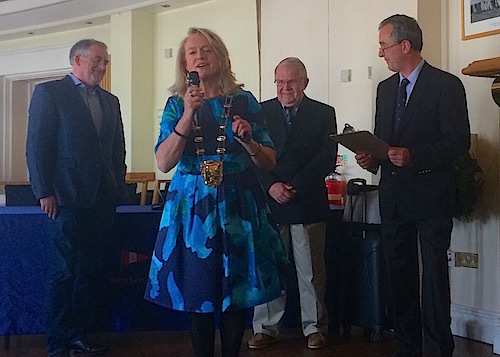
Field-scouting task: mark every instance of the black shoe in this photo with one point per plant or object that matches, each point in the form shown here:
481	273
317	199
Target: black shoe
62	353
87	348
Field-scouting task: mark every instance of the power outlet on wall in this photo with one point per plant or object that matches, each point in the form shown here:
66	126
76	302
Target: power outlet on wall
467	260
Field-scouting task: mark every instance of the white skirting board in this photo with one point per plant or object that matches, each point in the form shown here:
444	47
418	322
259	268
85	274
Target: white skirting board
476	324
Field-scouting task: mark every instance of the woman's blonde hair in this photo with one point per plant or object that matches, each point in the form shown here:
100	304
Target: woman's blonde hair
227	80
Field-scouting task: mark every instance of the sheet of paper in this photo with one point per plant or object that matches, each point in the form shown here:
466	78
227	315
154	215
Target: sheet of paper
363	141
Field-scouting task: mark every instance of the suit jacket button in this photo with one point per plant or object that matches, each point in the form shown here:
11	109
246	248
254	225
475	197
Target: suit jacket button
98	165
394	173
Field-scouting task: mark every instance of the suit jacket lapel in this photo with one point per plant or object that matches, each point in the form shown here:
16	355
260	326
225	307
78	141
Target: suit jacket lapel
107	114
387	123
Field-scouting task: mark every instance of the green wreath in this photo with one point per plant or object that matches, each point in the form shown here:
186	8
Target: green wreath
469	184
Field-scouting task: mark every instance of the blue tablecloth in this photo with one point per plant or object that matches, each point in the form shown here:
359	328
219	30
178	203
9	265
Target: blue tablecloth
23	268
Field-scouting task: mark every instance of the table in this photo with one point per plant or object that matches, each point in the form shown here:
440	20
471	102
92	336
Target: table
23	268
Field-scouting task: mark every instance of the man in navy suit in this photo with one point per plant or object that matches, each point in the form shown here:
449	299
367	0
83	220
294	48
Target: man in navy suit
427	133
76	159
305	154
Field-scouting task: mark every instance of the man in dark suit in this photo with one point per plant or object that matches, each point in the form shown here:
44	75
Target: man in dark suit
76	159
427	132
305	154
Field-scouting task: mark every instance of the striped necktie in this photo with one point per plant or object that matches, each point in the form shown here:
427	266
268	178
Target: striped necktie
288	118
400	104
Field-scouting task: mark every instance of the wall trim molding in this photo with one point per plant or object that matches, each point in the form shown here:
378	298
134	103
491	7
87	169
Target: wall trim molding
476	324
6	115
40	76
34	50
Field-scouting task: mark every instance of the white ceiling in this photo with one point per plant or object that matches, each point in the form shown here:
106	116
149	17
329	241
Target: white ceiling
23	18
9	7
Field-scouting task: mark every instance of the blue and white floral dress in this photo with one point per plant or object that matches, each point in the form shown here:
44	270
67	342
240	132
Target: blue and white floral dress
216	248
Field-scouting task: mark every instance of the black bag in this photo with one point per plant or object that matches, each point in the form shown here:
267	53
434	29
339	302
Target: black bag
366	272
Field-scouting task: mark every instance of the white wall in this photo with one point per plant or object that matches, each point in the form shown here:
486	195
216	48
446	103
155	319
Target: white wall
132	66
284	34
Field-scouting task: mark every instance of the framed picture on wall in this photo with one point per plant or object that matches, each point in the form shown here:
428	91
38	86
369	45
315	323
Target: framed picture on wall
480	18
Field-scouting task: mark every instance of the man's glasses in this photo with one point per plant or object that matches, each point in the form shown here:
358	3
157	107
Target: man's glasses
383	49
291	82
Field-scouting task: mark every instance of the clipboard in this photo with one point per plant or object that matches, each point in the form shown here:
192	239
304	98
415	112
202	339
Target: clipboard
363	141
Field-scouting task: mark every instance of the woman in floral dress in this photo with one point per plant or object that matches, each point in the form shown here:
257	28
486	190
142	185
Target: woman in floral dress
217	251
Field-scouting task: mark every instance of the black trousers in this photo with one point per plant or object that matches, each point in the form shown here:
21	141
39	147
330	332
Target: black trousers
430	315
78	238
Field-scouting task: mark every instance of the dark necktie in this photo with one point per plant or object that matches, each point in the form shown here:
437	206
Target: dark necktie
288	118
400	104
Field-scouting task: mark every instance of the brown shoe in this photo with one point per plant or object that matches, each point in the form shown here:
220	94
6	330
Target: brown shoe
316	340
260	340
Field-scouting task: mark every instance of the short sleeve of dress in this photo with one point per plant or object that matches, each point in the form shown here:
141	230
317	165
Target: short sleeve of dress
171	114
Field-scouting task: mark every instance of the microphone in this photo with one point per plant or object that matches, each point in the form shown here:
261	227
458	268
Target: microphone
194	81
245	138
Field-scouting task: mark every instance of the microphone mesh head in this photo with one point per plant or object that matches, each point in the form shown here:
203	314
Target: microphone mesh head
193	78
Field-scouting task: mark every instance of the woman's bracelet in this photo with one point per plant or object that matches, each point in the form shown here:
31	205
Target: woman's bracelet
260	147
181	135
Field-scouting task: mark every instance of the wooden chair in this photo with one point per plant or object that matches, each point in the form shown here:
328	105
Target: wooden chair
157	190
143	178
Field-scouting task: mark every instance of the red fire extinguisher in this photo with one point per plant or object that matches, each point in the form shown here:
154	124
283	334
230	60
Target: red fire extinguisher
336	189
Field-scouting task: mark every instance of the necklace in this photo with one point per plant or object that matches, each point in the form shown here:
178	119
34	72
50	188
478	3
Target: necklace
212	170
